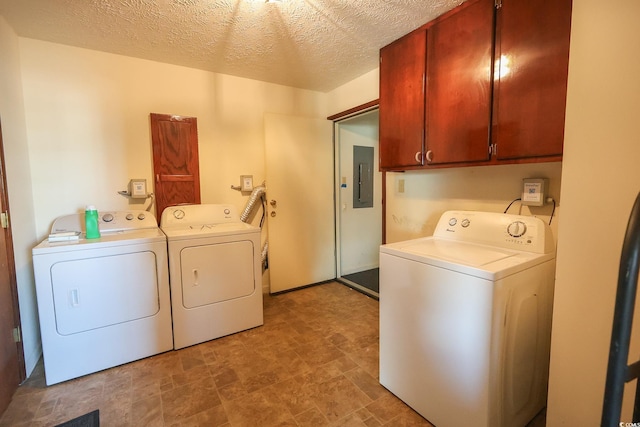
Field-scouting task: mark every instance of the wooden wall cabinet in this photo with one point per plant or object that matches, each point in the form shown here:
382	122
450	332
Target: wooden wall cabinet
489	79
459	64
402	89
532	63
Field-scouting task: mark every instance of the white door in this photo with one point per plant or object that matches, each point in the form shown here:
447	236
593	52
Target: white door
299	176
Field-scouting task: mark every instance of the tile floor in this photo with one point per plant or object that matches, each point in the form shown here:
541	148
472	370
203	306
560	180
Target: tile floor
313	363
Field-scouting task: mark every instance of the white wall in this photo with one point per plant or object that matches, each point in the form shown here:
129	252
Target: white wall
88	125
357	92
18	177
427	194
600	180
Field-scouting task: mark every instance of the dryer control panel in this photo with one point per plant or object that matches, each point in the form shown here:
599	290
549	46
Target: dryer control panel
186	215
524	233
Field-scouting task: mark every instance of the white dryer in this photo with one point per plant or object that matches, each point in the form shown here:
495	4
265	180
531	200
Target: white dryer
215	270
102	302
465	319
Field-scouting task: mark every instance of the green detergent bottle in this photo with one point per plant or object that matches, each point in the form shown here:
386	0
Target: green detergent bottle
91	222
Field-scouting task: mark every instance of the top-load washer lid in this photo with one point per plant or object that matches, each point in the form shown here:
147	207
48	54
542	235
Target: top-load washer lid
462	253
473	259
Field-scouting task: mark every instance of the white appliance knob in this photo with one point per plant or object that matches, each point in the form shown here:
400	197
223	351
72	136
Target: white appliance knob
107	217
129	217
227	211
141	216
517	229
178	214
465	223
453	222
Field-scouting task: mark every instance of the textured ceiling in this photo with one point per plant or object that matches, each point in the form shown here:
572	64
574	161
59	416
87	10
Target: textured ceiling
311	44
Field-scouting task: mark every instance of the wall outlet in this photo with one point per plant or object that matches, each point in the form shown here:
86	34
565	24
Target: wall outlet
534	191
401	186
246	182
138	189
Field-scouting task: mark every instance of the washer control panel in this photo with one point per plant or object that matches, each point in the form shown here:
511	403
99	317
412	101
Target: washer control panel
519	232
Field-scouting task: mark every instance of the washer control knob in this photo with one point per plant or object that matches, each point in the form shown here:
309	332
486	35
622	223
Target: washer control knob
129	217
517	229
227	211
465	223
453	222
107	217
141	216
178	214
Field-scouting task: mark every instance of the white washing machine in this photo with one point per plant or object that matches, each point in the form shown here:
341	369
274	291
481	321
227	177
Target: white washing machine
215	270
102	302
465	319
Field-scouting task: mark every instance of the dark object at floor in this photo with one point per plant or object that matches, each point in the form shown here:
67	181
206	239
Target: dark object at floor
92	419
618	372
370	279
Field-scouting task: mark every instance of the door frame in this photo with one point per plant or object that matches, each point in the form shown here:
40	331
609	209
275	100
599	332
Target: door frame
337	119
9	387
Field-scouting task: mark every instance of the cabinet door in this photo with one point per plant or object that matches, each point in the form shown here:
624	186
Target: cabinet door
532	60
459	62
402	71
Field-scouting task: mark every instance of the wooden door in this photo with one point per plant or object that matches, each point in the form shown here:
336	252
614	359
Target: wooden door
12	370
459	62
402	74
299	176
175	160
532	62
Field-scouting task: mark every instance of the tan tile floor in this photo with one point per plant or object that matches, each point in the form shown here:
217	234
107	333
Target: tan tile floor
313	363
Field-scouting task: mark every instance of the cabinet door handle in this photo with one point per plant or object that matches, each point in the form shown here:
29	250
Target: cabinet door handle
419	157
429	156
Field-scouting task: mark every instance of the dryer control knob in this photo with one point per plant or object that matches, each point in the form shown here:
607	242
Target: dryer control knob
517	229
178	214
